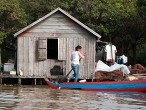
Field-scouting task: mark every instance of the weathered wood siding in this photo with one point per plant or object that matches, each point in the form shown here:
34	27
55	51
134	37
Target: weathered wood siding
69	35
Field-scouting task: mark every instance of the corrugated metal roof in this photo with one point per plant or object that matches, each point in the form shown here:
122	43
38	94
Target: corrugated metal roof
49	14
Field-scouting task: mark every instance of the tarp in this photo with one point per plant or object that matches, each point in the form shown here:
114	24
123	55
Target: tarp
101	66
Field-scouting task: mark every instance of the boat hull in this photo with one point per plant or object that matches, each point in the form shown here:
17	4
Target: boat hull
138	85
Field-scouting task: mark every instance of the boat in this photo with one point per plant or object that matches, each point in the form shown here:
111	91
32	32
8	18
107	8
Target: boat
125	85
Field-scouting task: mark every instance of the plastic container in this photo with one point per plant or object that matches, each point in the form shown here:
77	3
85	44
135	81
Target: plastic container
8	67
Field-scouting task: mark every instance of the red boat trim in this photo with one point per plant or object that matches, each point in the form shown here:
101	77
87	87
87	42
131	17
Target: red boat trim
50	84
53	86
109	90
119	90
108	82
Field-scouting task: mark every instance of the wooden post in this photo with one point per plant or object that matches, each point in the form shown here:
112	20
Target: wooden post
19	81
1	79
34	81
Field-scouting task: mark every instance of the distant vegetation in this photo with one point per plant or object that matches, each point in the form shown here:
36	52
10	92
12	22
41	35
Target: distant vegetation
123	22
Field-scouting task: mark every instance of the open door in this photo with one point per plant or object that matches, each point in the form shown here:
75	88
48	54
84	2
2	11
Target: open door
42	49
62	49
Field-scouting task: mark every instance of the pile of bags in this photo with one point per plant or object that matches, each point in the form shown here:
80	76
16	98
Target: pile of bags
114	72
137	69
109	76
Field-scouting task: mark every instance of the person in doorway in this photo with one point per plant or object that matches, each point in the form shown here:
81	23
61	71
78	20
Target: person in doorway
76	56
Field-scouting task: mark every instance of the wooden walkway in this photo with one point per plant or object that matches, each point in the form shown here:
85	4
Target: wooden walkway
38	80
8	76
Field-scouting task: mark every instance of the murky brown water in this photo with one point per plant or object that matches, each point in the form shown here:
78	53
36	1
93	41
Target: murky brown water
44	98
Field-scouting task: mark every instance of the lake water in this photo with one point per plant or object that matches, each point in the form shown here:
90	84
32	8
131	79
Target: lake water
44	98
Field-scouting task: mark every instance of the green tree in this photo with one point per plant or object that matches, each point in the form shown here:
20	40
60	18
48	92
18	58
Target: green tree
2	36
36	9
132	33
141	6
120	21
12	18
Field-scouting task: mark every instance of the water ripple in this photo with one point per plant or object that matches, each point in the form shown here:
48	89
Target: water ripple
44	98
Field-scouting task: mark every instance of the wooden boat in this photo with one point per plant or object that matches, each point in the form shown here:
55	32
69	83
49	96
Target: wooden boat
135	85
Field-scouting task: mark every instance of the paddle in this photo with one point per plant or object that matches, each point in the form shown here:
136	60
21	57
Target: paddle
67	75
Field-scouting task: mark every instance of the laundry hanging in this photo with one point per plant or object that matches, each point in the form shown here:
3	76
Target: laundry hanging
110	52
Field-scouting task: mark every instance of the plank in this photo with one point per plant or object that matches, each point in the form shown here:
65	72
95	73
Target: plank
31	55
26	55
57	30
20	54
144	74
35	64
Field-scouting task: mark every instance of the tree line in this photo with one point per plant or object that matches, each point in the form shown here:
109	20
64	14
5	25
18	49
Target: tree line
122	22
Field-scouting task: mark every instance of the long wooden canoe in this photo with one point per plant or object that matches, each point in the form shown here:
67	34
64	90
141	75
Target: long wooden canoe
135	85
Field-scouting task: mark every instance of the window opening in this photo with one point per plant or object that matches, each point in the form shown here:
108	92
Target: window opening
52	48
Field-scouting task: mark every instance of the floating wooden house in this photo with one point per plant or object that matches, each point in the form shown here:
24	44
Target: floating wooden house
44	47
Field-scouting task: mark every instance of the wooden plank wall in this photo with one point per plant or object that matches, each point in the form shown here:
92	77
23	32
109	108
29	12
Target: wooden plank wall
70	35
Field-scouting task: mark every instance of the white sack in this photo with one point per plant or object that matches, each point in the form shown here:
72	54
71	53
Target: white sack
101	66
115	67
125	69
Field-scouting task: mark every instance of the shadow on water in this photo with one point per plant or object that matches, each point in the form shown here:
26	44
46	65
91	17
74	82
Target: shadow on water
44	98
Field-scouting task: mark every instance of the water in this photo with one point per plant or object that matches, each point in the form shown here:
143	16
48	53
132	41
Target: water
44	98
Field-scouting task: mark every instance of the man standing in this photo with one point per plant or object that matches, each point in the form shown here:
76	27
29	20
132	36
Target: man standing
76	56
